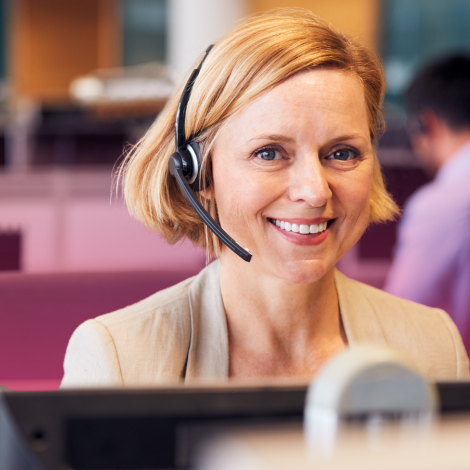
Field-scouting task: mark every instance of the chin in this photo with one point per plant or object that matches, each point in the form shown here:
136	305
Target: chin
303	271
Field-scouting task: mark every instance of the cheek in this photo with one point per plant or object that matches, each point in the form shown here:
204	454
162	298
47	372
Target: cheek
242	195
353	193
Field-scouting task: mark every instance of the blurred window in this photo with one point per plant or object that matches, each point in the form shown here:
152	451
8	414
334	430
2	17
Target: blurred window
144	31
415	31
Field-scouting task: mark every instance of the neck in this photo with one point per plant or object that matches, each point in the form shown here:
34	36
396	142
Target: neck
452	143
279	321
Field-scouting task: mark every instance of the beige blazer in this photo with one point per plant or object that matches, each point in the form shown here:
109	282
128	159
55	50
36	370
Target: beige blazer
180	333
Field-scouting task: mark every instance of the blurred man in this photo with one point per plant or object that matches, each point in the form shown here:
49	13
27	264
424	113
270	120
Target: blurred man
432	257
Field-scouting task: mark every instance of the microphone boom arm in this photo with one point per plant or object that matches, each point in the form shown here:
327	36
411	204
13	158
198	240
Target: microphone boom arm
176	169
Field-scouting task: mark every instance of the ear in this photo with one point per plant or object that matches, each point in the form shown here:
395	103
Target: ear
206	193
427	145
433	126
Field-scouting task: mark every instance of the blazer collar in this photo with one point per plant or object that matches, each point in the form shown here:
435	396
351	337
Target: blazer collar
359	316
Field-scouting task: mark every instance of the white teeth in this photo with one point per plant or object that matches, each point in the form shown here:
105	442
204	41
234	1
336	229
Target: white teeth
302	228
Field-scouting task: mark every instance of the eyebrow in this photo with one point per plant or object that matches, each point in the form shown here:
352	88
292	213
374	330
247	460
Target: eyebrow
289	140
342	138
274	137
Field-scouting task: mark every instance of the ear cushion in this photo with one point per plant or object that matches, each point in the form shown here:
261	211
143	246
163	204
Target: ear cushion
195	166
195	180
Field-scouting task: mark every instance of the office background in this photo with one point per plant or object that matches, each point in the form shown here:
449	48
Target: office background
81	81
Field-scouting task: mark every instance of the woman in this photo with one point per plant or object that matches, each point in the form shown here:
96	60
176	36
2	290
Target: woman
286	111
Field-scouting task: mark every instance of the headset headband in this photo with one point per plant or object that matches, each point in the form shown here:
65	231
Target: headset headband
180	126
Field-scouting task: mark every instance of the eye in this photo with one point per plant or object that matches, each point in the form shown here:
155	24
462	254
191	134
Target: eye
268	154
343	155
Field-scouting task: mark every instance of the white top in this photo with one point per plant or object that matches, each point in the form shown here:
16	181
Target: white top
180	333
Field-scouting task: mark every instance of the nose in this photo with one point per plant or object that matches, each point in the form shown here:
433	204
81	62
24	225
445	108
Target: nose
309	183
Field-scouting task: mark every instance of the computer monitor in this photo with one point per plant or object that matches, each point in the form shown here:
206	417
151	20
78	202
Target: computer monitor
130	429
146	428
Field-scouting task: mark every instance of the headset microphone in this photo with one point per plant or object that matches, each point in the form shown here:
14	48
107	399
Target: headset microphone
185	166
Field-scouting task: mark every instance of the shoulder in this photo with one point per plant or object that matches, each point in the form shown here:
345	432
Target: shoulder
168	309
427	334
447	197
144	343
91	359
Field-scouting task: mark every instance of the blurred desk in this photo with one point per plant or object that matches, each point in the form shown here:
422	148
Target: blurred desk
443	447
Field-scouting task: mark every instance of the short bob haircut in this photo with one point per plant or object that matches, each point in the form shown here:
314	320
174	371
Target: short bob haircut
258	55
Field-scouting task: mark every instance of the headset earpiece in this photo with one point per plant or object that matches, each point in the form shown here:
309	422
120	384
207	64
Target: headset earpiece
196	182
191	165
193	150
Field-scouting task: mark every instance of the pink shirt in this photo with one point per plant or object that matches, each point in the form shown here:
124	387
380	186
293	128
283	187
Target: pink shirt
432	256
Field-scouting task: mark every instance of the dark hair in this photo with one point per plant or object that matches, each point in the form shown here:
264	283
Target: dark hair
444	87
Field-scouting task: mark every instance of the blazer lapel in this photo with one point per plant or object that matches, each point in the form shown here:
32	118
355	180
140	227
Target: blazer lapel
359	317
208	348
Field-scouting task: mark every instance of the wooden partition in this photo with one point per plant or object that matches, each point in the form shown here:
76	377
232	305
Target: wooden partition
54	41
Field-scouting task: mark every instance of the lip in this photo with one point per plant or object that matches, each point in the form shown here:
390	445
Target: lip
300	239
298	221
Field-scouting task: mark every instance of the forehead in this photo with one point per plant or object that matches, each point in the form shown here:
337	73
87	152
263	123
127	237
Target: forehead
323	99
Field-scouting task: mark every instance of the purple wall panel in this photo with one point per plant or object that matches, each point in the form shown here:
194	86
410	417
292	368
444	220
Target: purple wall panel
39	312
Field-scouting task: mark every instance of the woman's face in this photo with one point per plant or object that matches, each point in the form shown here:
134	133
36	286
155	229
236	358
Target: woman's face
299	158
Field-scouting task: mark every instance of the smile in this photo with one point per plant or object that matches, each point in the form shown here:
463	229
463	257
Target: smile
299	228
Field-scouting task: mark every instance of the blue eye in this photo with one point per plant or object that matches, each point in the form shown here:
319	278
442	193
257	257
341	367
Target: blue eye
267	154
343	155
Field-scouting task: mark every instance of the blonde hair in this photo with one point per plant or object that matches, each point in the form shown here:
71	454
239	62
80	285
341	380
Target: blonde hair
255	57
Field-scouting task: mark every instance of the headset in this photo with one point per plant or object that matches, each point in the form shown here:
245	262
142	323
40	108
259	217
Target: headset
185	166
